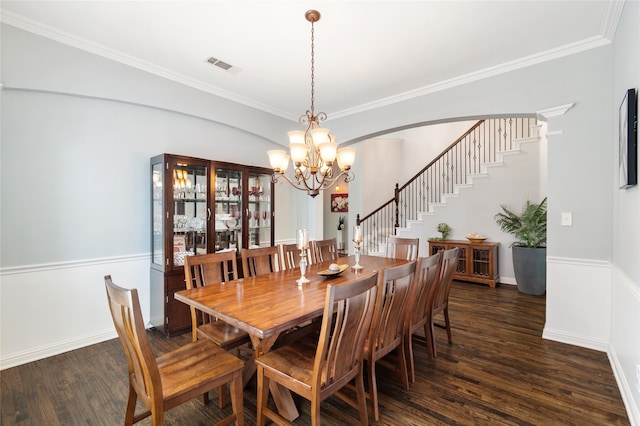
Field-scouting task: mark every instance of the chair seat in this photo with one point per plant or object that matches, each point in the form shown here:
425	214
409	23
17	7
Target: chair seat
224	335
295	361
207	363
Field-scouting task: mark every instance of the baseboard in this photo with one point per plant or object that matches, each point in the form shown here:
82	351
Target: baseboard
508	280
42	352
626	390
583	341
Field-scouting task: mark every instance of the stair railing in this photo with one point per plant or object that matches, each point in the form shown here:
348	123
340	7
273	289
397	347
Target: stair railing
454	166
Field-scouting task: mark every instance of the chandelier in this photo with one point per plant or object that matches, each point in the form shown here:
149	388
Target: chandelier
312	150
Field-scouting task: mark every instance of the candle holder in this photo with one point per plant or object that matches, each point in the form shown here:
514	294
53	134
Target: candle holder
357	241
357	266
303	268
302	242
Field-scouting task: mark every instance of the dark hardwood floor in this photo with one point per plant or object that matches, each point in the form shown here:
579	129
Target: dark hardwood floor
498	371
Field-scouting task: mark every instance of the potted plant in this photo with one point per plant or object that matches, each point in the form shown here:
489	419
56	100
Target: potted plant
530	248
444	229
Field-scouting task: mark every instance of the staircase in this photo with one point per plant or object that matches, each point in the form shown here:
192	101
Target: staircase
466	161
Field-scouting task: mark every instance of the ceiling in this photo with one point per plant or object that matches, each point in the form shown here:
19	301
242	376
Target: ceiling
367	53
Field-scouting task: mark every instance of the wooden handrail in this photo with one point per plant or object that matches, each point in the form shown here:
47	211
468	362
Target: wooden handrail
442	154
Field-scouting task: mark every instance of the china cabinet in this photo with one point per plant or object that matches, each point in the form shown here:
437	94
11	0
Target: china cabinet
477	262
201	206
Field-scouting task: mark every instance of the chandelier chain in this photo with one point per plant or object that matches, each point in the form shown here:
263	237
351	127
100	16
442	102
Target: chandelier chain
312	69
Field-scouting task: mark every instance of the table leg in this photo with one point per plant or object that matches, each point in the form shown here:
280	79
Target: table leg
281	395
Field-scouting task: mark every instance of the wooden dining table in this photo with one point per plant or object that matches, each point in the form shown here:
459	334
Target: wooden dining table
268	305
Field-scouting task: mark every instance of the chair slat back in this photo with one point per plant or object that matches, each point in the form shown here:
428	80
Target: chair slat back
348	311
127	319
425	286
291	256
402	248
210	268
447	269
395	287
258	261
207	269
324	250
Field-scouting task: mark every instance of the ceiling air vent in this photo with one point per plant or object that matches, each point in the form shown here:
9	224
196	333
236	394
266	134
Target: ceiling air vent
223	65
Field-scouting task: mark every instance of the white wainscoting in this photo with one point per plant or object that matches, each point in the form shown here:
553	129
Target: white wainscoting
49	309
624	350
578	302
580	297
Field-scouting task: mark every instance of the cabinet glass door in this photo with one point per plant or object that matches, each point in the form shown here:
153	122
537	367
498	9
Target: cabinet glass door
189	184
157	214
259	210
229	210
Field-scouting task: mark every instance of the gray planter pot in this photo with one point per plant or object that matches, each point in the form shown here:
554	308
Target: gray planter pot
530	268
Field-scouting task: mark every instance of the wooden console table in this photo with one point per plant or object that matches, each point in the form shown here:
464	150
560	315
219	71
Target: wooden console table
477	262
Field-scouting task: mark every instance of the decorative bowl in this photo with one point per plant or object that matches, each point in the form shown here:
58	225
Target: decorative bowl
331	273
476	240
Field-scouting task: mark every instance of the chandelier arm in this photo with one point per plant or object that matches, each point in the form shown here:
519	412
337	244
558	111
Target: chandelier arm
348	177
298	184
303	185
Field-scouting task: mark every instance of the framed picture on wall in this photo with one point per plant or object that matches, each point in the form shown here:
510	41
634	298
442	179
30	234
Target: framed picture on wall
339	202
628	140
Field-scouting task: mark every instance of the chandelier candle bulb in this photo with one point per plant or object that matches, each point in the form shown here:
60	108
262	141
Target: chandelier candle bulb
277	159
320	136
297	136
298	153
328	151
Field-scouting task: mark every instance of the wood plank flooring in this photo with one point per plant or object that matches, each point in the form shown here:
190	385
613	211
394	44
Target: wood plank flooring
498	371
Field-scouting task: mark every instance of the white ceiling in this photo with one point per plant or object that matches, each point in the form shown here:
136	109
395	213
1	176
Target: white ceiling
367	53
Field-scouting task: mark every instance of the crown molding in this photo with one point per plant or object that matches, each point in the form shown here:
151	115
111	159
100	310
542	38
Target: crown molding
100	50
611	21
549	55
555	111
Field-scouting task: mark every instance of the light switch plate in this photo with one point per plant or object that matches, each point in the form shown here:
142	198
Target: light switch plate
566	218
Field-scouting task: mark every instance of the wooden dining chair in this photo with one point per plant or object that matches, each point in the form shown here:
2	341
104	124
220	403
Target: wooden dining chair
318	367
402	248
441	297
290	255
395	288
261	260
324	250
173	378
419	315
209	269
